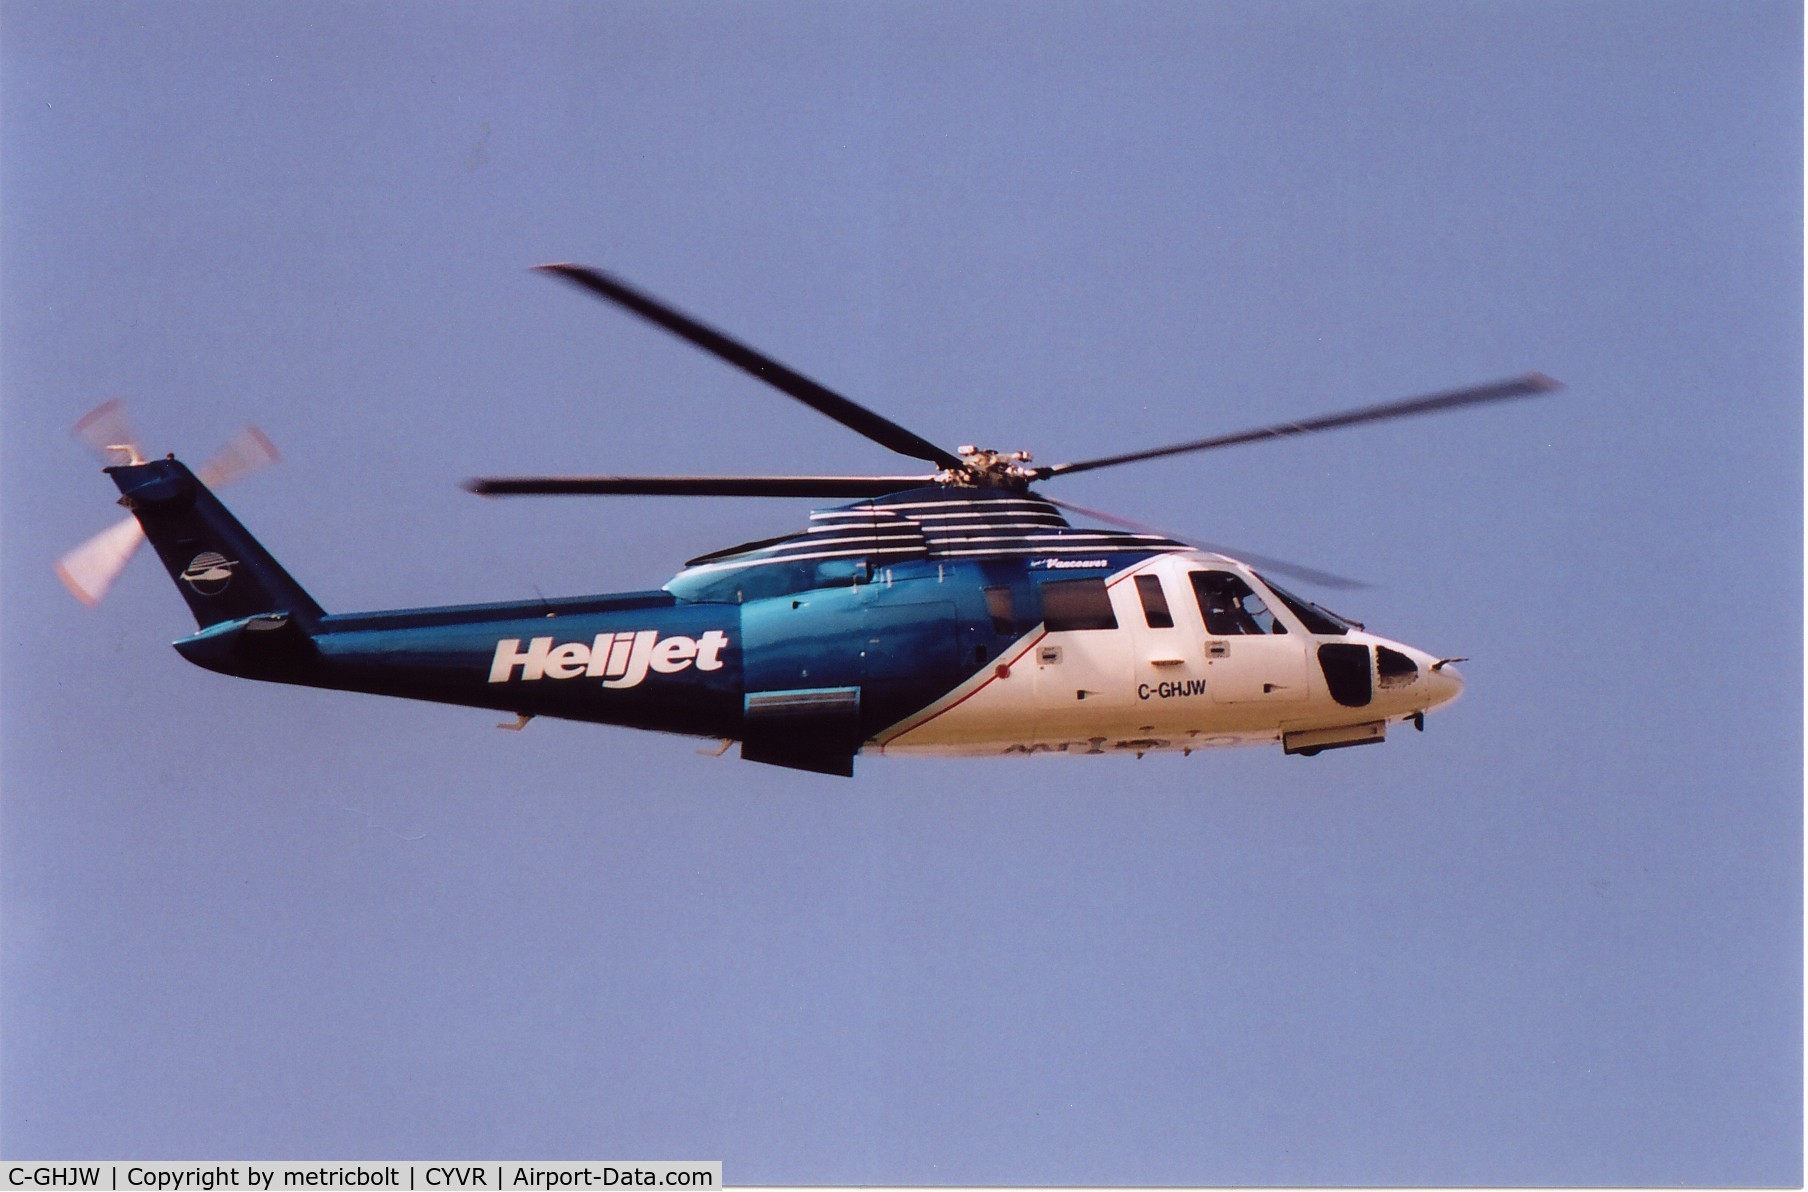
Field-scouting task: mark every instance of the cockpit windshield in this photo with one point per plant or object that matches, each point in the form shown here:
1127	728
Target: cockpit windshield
1316	620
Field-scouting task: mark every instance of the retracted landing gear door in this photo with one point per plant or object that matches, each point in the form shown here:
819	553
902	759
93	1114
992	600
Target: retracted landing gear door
910	657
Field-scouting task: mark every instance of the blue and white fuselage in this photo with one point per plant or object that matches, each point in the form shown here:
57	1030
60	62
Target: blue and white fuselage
939	620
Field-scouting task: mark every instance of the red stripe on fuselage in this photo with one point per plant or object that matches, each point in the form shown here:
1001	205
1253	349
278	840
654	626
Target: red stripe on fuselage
1109	584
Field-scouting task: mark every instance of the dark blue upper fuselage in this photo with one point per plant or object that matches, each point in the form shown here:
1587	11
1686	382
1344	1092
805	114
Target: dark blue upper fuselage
801	647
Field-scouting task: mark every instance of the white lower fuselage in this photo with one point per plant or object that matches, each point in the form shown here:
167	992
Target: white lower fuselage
1144	686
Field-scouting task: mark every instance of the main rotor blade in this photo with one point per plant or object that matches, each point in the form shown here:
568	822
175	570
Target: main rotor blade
819	398
696	486
1527	386
1312	575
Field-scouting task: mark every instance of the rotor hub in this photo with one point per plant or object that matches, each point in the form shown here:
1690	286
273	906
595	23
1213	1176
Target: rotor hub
984	468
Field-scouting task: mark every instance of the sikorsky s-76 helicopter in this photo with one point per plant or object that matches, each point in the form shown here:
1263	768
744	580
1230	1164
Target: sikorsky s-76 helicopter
953	612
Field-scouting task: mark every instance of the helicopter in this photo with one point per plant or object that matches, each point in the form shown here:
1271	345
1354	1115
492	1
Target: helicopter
950	612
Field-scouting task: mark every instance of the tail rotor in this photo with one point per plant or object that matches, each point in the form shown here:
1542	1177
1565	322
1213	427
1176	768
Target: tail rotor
108	432
90	569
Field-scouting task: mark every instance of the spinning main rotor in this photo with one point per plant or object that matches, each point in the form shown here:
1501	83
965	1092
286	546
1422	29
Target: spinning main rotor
967	467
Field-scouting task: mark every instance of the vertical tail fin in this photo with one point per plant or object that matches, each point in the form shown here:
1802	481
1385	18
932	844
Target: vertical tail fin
220	569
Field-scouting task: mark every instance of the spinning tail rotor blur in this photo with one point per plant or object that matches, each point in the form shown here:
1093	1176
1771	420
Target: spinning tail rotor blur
90	569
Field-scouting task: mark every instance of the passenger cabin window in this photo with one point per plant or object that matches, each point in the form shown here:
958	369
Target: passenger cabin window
1229	606
1077	604
998	606
1155	602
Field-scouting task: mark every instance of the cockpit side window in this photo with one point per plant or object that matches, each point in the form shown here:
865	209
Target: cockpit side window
1155	602
1230	606
1316	620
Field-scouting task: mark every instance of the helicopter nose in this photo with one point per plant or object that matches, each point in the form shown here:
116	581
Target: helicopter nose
1446	681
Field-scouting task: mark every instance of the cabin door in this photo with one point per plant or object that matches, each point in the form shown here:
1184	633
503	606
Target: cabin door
1084	677
1250	657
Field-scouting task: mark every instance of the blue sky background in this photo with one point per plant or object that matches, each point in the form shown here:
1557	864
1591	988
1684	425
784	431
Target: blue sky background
1555	939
